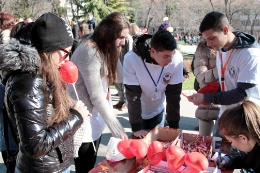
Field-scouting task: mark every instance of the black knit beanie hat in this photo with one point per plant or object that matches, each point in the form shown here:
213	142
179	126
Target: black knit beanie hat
50	33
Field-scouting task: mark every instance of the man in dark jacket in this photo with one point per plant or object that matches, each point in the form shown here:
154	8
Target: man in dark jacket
153	72
75	29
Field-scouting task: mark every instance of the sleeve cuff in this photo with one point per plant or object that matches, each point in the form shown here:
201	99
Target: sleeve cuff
136	127
173	124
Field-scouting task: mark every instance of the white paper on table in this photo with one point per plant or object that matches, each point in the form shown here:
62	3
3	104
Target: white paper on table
213	158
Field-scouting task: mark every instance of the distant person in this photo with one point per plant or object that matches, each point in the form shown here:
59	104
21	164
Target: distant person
7	21
135	30
92	23
83	30
75	29
152	75
237	61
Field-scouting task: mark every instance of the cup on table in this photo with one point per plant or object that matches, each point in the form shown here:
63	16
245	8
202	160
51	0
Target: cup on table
216	143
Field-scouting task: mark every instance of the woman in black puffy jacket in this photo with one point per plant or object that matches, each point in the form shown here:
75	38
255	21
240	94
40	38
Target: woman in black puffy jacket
36	98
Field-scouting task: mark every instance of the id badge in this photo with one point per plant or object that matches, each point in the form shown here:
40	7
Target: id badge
156	95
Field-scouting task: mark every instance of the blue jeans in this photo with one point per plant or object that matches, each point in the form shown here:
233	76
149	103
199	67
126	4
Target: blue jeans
158	120
18	171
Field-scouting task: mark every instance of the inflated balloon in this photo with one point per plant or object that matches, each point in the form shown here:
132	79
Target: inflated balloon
124	148
175	157
155	152
138	148
196	161
69	72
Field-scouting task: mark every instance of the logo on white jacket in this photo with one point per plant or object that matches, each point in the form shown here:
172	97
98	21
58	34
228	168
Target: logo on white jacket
232	72
166	78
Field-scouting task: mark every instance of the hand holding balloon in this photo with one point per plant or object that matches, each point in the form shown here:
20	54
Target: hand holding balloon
82	109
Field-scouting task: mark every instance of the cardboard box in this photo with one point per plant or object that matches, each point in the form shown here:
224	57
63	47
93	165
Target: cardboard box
163	134
196	143
167	136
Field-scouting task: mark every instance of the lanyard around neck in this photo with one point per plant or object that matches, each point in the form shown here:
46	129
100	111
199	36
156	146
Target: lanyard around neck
155	84
223	69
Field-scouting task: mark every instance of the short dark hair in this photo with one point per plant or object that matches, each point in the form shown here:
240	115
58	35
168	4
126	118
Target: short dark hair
163	40
213	20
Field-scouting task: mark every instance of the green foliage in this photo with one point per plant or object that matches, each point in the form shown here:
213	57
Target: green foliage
133	9
62	11
170	8
99	8
21	9
118	5
188	84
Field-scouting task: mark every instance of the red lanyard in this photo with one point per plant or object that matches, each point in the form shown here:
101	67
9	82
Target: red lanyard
223	69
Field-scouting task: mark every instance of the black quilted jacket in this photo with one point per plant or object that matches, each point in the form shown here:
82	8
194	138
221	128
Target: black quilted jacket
245	160
43	148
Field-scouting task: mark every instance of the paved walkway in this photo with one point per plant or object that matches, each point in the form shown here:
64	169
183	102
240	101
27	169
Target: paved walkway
188	122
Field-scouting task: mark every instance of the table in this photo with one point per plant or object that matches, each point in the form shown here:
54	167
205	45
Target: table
125	166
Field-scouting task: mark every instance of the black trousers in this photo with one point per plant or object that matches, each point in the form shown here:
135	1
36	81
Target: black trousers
87	157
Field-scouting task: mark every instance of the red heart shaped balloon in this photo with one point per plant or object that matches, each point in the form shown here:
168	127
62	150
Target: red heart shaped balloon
196	161
124	148
69	72
155	152
138	148
175	157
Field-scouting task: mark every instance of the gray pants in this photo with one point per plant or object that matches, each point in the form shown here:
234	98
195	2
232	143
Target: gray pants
121	91
216	131
205	127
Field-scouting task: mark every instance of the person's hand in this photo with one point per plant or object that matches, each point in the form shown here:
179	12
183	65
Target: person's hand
221	165
82	109
196	99
141	133
122	136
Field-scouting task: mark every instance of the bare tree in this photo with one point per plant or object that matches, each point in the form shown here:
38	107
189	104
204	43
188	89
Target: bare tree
148	17
211	3
2	5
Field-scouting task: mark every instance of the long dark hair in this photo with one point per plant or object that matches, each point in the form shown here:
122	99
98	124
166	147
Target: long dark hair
52	79
105	34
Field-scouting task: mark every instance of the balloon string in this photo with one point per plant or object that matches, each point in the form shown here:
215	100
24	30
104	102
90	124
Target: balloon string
75	91
94	146
78	100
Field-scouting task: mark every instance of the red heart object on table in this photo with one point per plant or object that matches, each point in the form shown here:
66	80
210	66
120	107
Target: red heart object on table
155	152
196	161
69	72
124	148
209	88
175	157
138	148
